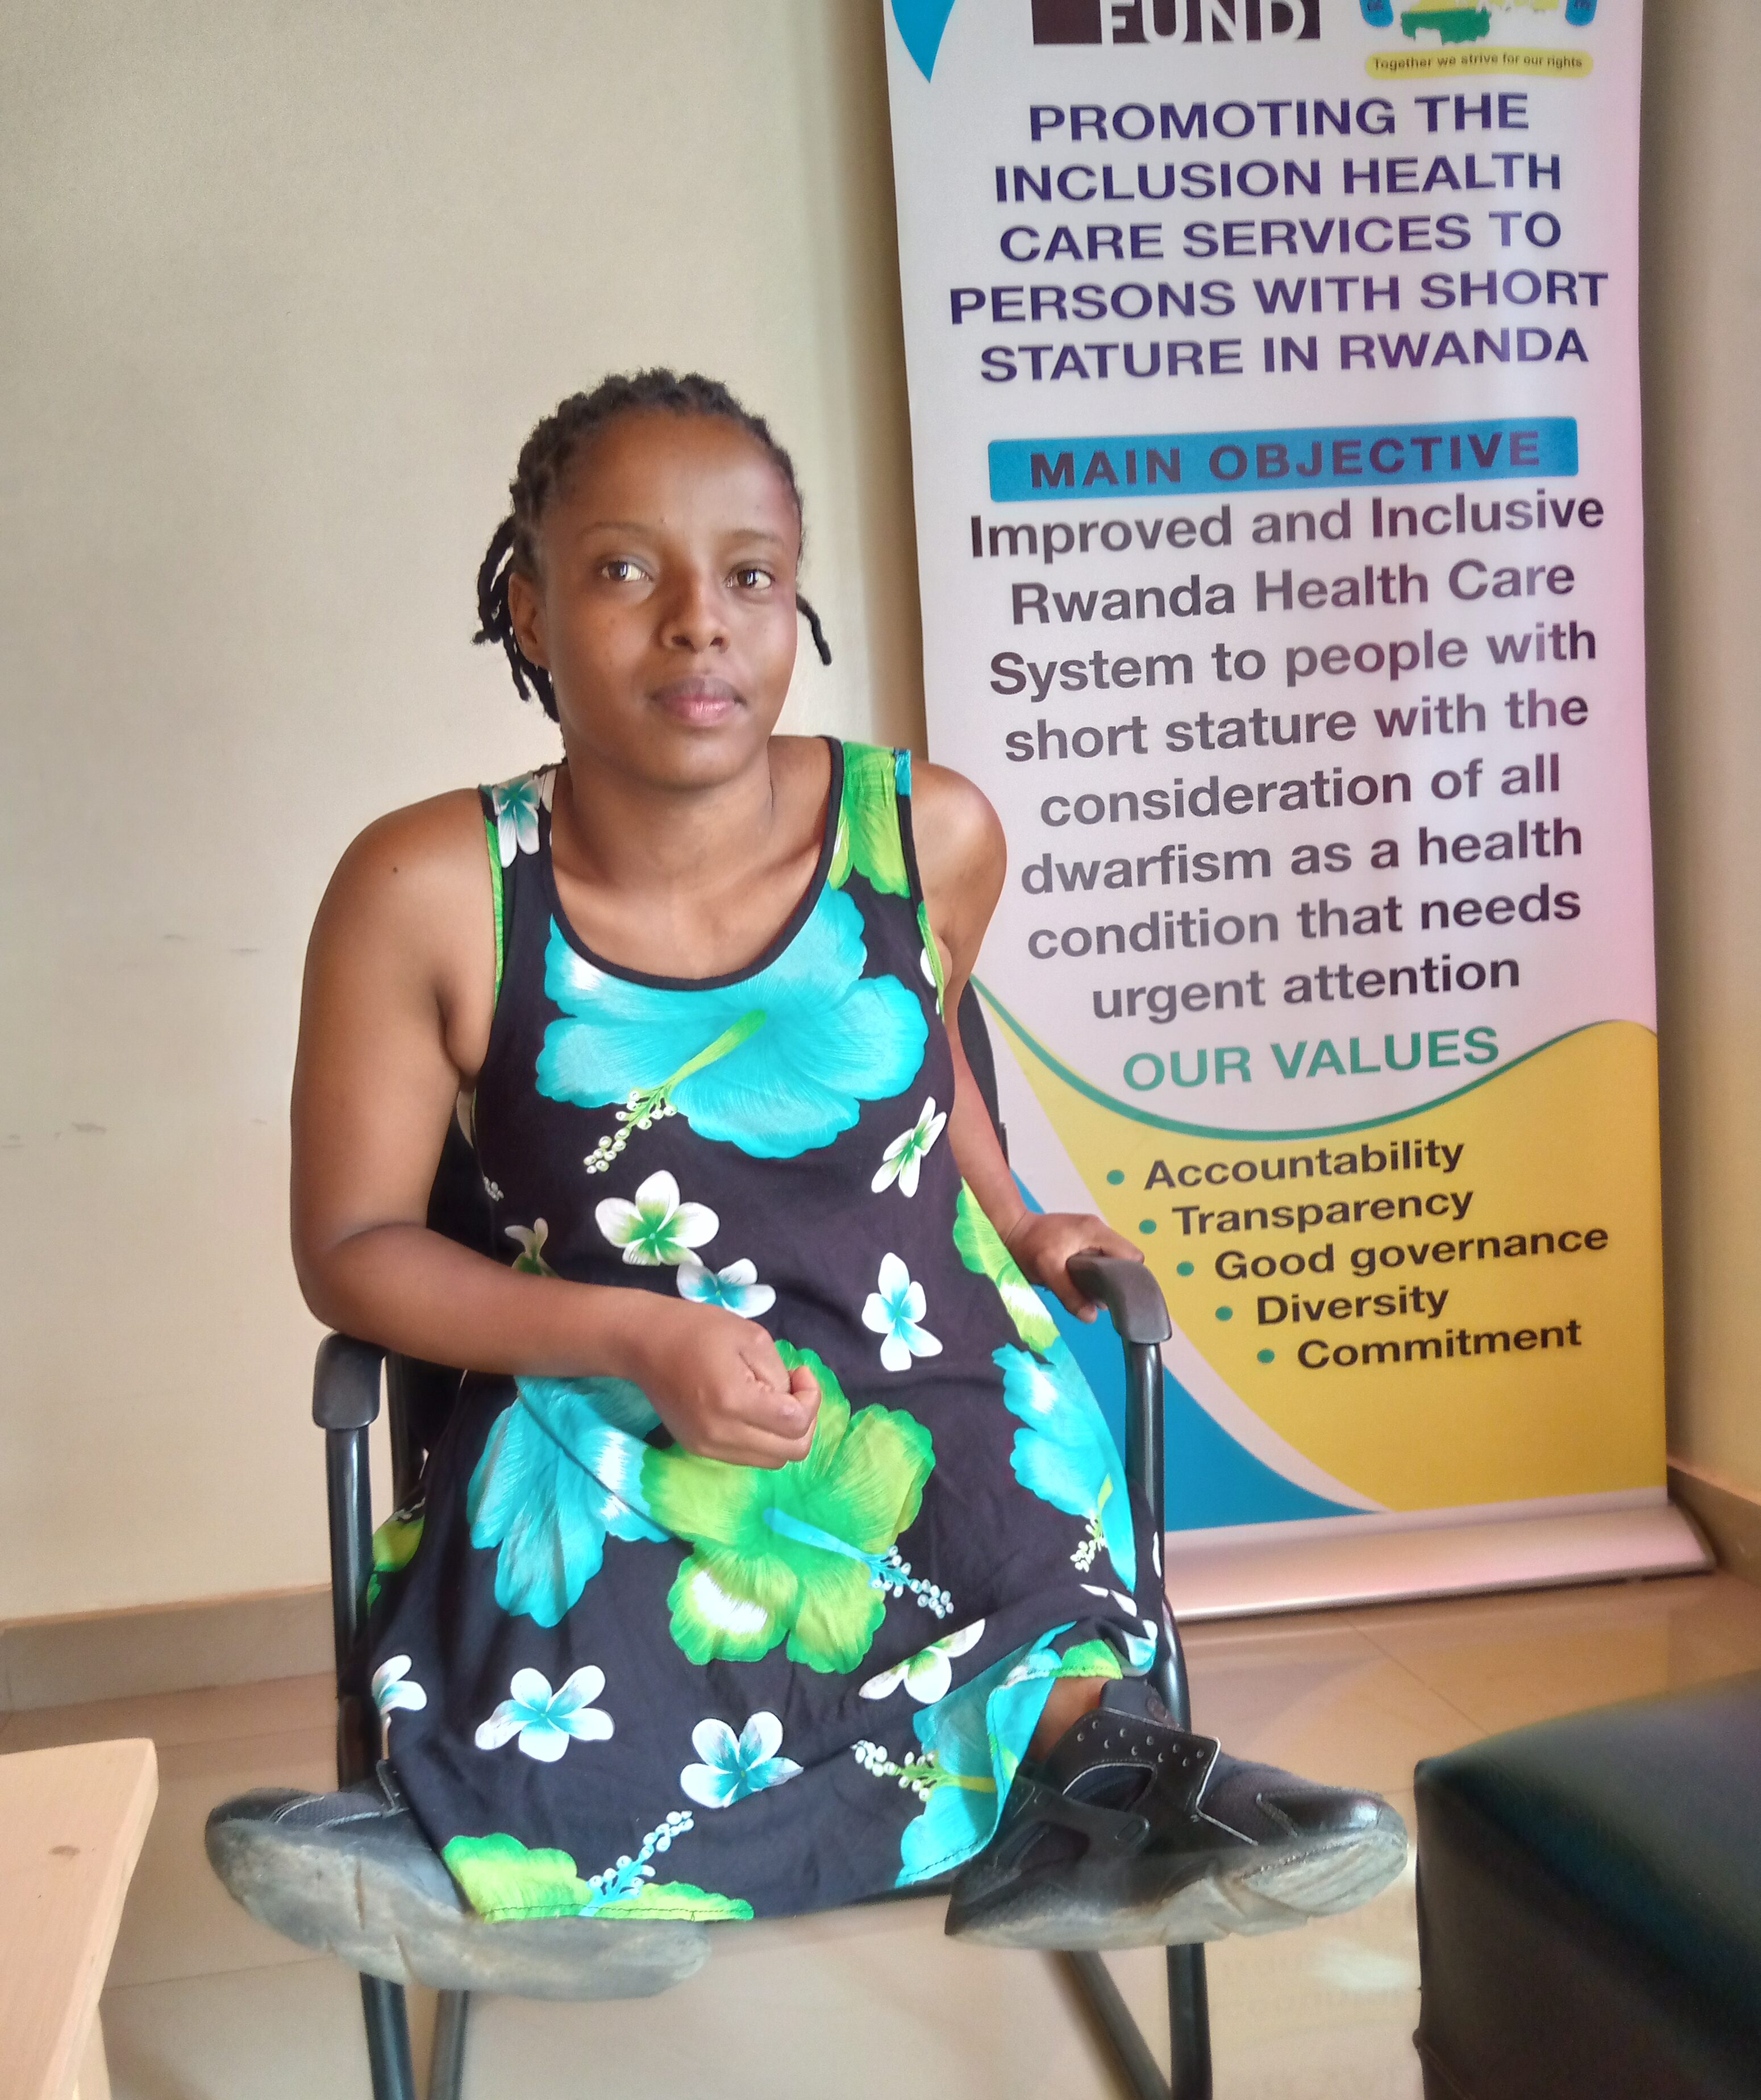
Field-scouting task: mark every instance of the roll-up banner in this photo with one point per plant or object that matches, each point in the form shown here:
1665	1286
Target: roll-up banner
1274	401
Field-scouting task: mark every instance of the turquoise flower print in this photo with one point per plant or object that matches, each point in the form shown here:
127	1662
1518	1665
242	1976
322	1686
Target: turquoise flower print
559	1474
778	1064
927	1675
736	1288
973	1741
735	1766
394	1690
904	1157
657	1228
530	1260
515	805
547	1722
893	1312
1065	1454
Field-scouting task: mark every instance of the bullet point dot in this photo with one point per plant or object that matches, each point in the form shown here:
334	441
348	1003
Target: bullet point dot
1266	1355
1225	1312
1115	1175
1146	1225
1184	1269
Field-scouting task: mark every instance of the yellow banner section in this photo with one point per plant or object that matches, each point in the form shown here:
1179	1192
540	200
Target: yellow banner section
1420	65
1457	1306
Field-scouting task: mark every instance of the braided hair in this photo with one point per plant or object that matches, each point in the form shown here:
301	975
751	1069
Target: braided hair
545	461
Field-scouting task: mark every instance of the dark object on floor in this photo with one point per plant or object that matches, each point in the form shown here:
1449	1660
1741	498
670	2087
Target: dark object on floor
1590	1906
1135	1833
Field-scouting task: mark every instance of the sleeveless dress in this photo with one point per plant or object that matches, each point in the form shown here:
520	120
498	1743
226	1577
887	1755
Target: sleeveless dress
622	1681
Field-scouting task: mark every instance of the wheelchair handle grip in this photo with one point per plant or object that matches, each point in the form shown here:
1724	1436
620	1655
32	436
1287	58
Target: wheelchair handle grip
1128	1291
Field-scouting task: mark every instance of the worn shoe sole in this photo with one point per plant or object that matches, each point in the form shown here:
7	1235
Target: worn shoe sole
373	1892
1170	1902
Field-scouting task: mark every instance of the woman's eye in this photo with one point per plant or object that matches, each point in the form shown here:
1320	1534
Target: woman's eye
750	578
620	571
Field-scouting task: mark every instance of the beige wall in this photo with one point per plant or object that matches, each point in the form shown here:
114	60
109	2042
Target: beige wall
283	289
1702	286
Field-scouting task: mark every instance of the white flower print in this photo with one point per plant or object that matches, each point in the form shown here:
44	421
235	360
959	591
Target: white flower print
657	1228
515	805
894	1311
735	1766
547	1722
492	1190
904	1157
394	1688
927	1675
530	1260
736	1288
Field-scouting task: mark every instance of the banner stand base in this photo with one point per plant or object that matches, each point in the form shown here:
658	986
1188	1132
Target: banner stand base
1224	1577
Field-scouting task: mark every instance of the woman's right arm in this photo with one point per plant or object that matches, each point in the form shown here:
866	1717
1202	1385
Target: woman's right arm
394	1019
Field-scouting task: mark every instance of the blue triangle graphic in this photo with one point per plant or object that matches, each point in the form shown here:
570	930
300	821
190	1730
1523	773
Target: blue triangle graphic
920	23
1210	1479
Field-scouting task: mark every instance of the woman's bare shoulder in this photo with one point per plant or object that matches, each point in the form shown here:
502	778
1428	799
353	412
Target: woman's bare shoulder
958	835
421	871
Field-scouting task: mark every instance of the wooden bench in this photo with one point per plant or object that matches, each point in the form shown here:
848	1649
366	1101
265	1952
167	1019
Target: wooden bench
71	1822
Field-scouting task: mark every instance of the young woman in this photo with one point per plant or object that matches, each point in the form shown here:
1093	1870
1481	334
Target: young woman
775	1553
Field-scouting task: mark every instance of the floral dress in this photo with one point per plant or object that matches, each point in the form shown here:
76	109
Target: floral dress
622	1681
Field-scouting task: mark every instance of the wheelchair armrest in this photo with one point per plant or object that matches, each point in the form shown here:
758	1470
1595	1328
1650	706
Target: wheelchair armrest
1129	1292
345	1382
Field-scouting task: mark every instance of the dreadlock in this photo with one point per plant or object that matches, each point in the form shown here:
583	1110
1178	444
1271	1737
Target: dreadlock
545	461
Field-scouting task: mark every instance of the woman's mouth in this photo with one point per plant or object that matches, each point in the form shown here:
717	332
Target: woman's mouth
699	702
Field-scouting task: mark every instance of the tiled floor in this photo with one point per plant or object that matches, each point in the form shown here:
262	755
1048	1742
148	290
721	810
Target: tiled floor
204	2004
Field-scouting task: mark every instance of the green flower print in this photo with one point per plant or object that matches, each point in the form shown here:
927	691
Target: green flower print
868	841
1066	1453
903	1159
932	959
657	1229
394	1546
778	1064
502	1879
807	1552
982	1249
559	1473
530	1260
680	1903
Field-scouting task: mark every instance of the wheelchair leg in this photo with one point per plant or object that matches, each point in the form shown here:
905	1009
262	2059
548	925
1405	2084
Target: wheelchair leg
1093	1983
388	2042
1188	2005
1189	2024
446	2073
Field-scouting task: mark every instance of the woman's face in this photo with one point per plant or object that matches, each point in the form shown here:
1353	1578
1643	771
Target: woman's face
664	607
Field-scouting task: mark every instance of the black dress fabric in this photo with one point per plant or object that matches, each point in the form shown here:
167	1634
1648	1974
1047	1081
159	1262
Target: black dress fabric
622	1681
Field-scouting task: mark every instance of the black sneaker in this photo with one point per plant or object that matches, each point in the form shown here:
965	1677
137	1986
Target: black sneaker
1134	1833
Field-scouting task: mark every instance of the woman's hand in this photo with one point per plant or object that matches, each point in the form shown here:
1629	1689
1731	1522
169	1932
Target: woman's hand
719	1383
1043	1244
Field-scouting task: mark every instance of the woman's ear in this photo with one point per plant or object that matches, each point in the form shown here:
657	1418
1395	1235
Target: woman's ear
526	613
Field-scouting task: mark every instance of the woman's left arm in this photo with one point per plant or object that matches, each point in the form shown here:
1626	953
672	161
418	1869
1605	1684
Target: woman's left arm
963	857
